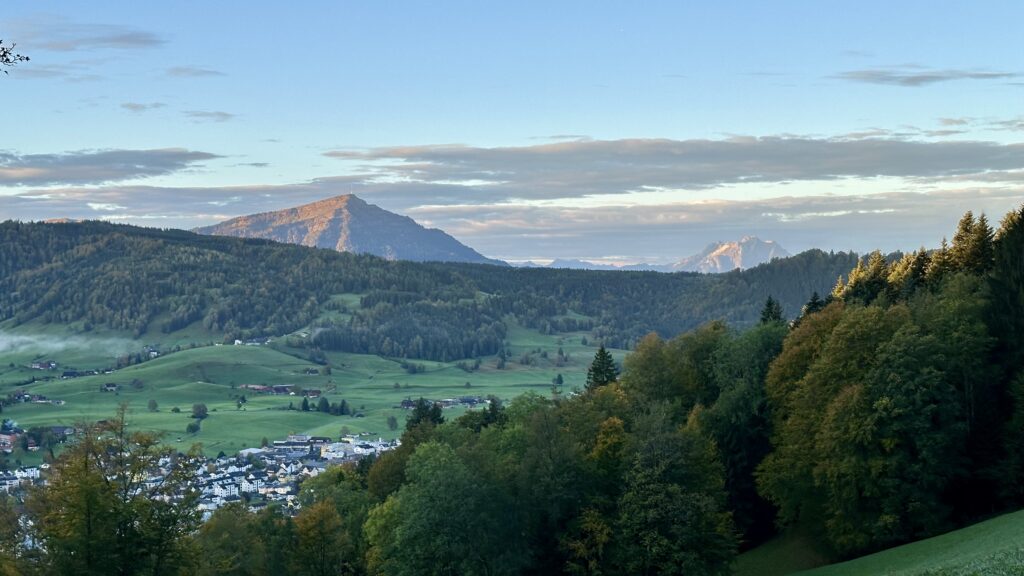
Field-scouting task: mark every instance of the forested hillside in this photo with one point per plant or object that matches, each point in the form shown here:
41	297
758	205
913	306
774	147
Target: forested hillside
143	279
888	411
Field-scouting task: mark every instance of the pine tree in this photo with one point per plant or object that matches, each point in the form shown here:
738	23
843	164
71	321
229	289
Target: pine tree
940	265
323	406
983	246
868	282
1008	290
305	404
772	311
961	251
813	306
972	249
602	370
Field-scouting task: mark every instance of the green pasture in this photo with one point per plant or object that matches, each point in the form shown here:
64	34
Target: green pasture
991	548
214	375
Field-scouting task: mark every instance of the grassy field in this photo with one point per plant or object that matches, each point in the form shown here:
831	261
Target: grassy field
780	556
213	375
991	548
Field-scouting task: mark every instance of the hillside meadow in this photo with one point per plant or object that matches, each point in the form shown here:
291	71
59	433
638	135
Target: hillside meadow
372	386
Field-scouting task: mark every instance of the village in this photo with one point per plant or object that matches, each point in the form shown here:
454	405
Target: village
255	476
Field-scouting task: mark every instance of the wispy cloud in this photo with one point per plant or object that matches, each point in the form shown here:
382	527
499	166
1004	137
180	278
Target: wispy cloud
59	34
1014	124
208	115
142	106
590	168
74	72
520	231
915	76
192	72
477	193
94	167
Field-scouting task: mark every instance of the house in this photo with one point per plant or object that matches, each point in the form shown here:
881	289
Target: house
252	483
44	365
311	393
62	432
337	451
9	482
225	489
109	387
30	473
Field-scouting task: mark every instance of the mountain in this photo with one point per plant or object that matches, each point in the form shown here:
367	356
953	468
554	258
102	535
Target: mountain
750	251
575	264
718	257
349	224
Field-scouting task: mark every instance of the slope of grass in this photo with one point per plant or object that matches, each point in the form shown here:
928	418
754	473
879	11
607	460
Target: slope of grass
785	554
994	547
214	376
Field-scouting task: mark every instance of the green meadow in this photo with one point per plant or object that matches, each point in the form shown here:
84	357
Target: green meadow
994	547
214	375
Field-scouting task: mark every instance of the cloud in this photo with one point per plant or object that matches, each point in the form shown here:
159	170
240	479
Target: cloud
889	221
590	168
1013	124
914	76
76	72
105	207
59	34
662	231
586	199
141	106
562	137
94	167
192	72
208	115
954	121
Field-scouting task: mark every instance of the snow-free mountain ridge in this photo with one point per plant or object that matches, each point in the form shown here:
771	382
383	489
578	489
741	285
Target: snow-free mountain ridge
349	224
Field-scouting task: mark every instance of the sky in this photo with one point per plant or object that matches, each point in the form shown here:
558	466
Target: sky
618	132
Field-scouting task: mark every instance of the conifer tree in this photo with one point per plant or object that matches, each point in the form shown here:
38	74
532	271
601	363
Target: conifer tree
961	250
1008	290
983	246
972	249
940	265
602	370
772	311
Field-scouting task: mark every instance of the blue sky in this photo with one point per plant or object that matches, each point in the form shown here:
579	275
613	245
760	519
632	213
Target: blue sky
529	130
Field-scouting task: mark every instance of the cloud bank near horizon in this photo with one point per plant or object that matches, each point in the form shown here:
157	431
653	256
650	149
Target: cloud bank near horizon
639	199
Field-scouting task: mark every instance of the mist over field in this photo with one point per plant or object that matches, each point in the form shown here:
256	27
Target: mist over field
43	344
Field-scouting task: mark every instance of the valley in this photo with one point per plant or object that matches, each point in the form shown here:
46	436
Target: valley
216	375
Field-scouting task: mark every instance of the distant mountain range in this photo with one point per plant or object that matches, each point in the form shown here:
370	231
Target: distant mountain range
718	257
748	252
349	224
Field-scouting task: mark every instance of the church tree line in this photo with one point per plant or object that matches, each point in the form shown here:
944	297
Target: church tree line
140	280
887	411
